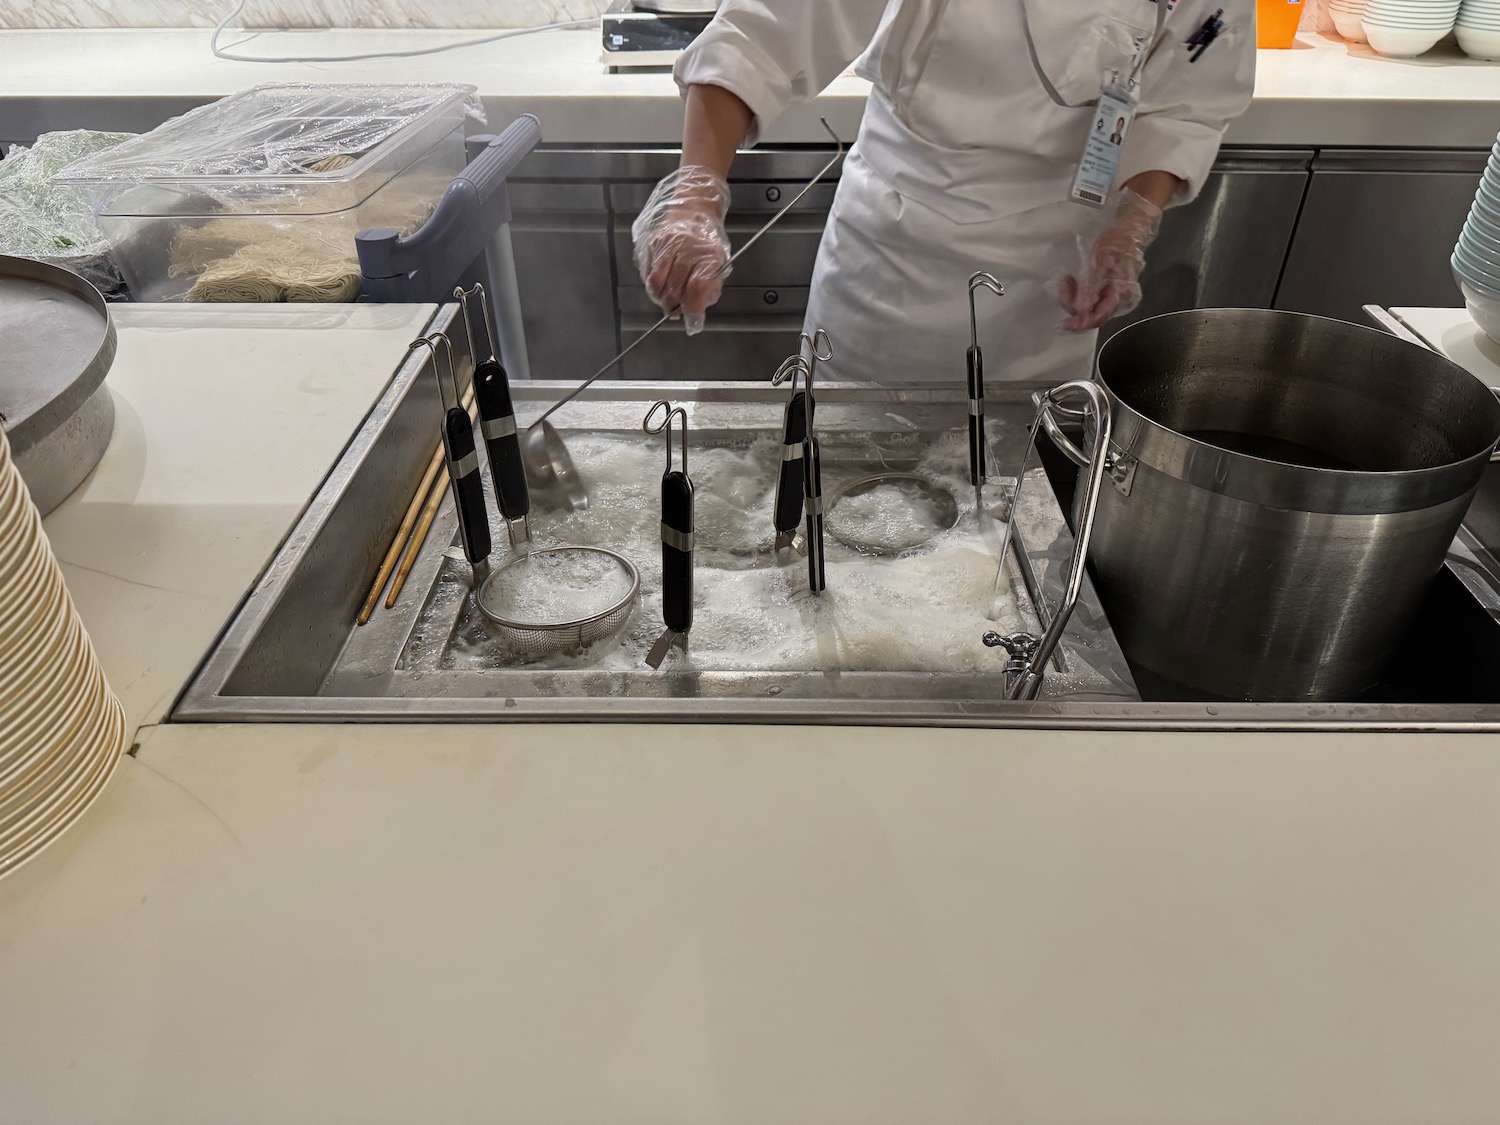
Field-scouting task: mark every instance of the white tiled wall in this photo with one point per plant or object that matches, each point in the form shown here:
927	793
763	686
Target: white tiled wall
294	13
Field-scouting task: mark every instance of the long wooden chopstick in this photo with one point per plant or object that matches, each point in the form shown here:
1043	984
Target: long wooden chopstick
419	537
400	541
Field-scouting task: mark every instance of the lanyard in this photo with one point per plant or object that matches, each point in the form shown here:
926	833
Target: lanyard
1164	10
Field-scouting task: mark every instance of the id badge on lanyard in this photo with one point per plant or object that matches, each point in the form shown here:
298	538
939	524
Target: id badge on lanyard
1114	113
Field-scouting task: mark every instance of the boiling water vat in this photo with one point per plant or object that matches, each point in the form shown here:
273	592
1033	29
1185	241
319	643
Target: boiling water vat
925	610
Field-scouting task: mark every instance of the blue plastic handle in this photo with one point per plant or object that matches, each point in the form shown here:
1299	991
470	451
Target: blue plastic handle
422	265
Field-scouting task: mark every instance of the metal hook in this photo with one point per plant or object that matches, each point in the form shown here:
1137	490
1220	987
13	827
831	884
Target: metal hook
430	342
820	350
463	296
986	281
790	368
820	344
666	425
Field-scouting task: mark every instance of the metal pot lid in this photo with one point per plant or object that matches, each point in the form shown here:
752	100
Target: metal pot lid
59	343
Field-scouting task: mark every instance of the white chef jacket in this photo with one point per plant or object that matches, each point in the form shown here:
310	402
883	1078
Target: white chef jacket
965	156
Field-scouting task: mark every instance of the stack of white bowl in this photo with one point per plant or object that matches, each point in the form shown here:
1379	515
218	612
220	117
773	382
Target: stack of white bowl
61	728
1346	15
1476	258
1479	28
1403	28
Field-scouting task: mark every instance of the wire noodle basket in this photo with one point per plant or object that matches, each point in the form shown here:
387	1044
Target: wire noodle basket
537	640
937	504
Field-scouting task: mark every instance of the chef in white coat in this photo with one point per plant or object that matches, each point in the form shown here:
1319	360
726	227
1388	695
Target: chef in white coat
966	160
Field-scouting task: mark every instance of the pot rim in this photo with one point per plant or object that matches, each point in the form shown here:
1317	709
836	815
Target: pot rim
1263	481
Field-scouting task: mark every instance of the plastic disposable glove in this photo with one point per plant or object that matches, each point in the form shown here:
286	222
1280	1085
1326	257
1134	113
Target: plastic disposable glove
681	246
1110	282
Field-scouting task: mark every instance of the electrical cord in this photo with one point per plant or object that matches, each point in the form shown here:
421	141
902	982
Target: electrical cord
223	25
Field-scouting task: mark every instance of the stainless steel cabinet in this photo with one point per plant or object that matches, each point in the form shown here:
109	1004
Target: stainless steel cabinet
561	246
1378	228
1227	249
560	231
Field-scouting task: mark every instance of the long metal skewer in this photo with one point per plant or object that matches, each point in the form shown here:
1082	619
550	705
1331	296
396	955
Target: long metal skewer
754	238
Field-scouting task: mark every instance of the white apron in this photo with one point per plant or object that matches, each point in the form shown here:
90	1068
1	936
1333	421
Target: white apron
961	167
891	288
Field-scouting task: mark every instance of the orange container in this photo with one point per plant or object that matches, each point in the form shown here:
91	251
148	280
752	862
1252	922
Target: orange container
1276	23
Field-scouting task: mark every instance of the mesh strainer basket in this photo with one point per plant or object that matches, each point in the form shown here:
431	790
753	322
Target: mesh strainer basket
936	503
536	640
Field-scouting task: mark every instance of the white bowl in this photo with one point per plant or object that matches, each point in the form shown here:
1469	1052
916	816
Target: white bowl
1466	283
1481	221
1487	206
1467	253
1348	25
1476	250
1466	271
1405	9
1484	310
1401	44
1488	272
1369	21
1443	15
1481	227
1437	23
1479	44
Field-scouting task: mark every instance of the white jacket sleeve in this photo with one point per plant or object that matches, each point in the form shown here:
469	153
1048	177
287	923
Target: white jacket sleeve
776	53
1186	106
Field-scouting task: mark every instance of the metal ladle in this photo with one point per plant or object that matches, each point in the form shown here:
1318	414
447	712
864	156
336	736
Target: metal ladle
548	463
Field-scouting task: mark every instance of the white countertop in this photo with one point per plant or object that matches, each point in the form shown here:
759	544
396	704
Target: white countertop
1454	333
699	924
1322	92
191	500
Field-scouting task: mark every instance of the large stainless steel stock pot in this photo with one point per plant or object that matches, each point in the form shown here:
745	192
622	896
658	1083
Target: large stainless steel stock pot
1281	491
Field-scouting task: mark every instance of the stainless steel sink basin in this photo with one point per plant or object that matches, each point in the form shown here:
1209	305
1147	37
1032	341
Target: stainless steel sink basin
294	654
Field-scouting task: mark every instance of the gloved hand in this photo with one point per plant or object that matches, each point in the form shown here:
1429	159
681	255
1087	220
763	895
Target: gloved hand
1110	281
681	246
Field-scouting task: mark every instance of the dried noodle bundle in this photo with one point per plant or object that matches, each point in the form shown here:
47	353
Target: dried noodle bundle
250	259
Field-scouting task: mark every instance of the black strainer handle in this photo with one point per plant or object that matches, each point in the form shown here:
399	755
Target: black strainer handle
813	498
497	418
468	487
677	527
977	468
789	485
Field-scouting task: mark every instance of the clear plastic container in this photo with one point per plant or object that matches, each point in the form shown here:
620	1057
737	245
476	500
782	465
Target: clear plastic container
259	196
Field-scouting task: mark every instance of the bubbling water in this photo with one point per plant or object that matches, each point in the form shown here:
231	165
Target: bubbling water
553	588
892	516
924	610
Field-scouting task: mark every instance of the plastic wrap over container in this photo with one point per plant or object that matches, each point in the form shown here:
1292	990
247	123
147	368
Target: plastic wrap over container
258	197
52	223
